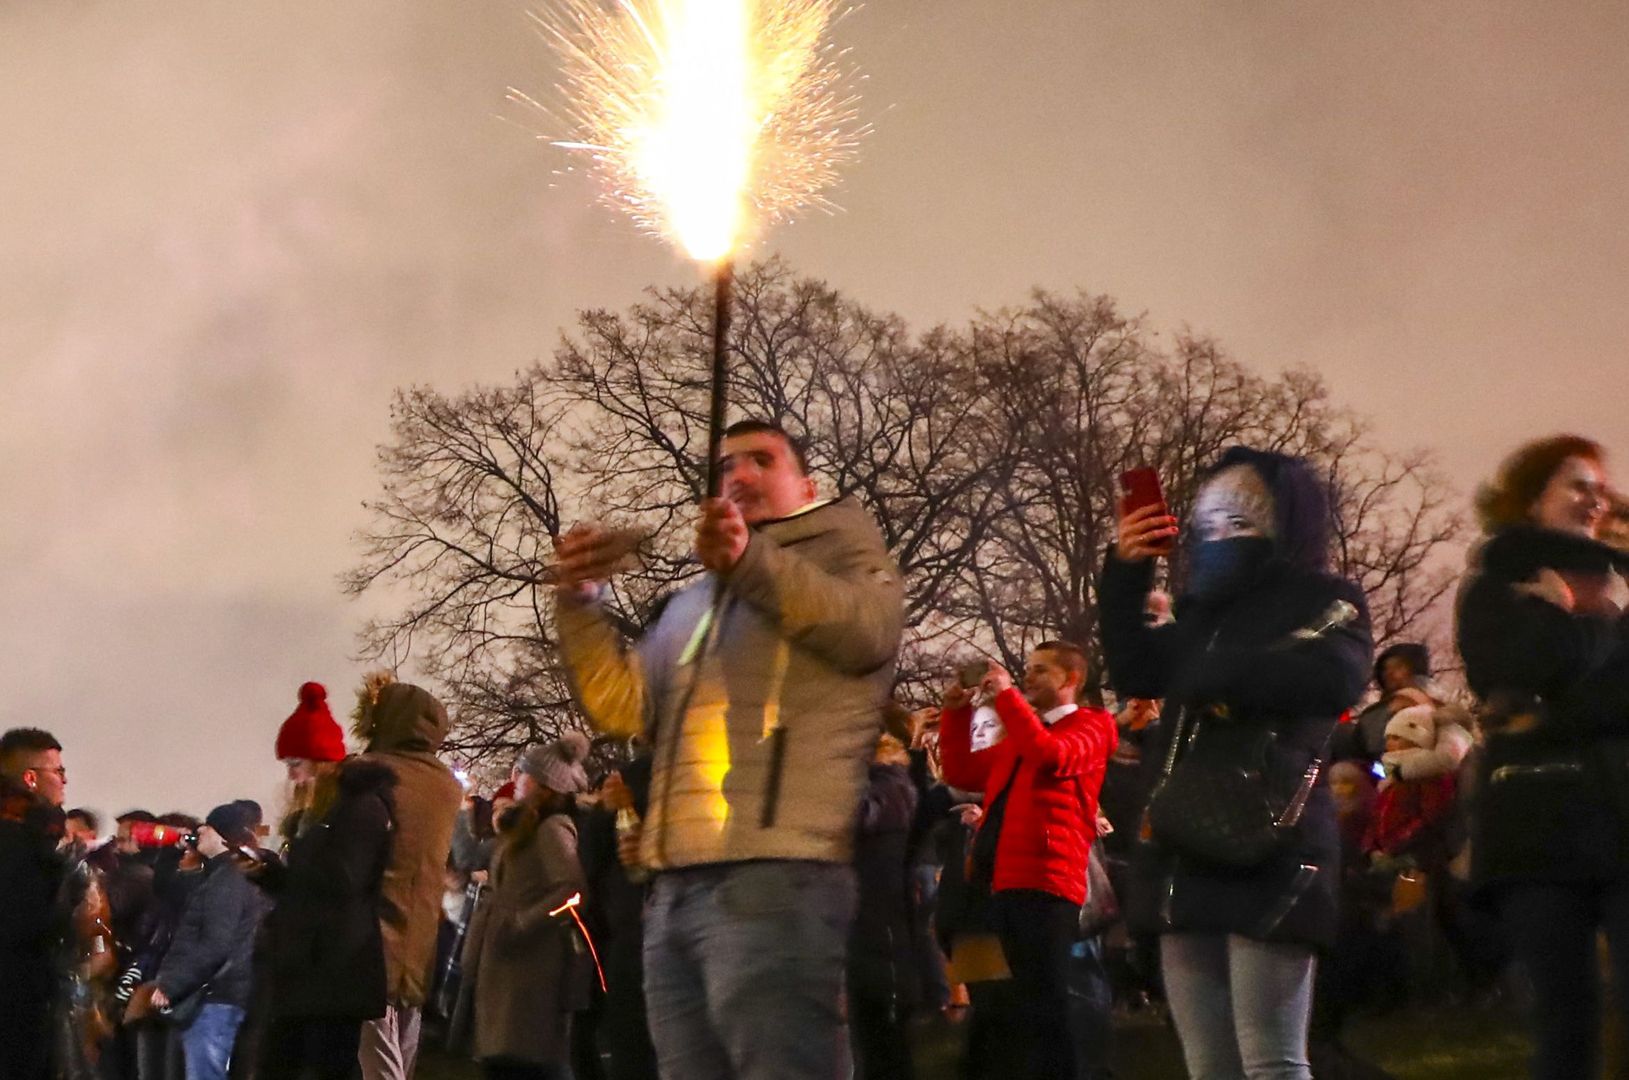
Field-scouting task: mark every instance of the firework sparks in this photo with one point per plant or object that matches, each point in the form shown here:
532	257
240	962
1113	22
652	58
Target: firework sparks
704	119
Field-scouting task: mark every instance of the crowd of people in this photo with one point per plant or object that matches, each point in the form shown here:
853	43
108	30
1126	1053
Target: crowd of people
764	868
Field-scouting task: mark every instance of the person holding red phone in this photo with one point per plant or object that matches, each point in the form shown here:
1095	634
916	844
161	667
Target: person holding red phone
1266	651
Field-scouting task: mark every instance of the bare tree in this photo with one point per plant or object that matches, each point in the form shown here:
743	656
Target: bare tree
614	428
989	455
1089	396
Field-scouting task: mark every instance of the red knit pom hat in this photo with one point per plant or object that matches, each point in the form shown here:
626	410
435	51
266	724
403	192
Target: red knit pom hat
310	732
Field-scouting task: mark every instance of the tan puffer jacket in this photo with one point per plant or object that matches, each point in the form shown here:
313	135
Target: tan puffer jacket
767	757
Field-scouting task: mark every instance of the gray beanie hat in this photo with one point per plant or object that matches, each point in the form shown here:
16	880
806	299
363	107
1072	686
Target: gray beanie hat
558	765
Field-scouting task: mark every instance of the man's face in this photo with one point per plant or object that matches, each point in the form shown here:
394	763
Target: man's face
79	831
210	842
762	478
1396	674
1047	682
46	777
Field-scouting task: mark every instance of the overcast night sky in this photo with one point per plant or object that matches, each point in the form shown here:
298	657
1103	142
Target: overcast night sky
228	230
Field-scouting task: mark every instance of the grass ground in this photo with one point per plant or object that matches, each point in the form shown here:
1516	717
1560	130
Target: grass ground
1414	1044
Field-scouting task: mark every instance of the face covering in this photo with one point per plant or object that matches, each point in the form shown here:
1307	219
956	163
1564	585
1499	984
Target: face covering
1223	569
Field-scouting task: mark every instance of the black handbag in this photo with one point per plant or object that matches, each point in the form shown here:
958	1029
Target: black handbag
981	856
1216	804
1218	807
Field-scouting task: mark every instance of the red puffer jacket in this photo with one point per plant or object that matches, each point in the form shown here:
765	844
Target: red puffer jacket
1051	816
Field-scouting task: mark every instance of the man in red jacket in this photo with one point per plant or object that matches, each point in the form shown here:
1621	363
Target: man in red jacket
1040	785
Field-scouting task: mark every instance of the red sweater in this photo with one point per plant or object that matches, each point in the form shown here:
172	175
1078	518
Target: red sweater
1051	816
1408	815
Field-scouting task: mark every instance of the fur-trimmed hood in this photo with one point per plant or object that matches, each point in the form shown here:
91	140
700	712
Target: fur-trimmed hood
359	776
393	716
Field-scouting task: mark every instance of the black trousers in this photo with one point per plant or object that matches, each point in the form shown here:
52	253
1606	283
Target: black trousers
25	1036
320	1049
1037	930
878	1033
1552	930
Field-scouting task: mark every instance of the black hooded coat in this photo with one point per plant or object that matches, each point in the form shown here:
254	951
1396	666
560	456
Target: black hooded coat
1240	653
326	952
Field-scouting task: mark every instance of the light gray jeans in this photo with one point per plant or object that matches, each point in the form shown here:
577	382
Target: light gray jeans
744	968
390	1044
1241	1006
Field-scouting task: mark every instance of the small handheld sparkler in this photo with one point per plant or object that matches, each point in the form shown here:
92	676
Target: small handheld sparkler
705	120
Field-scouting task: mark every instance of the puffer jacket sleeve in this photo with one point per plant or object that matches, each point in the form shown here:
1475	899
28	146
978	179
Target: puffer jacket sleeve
1080	749
849	612
607	677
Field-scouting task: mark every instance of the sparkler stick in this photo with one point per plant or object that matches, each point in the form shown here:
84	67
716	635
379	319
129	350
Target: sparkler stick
723	280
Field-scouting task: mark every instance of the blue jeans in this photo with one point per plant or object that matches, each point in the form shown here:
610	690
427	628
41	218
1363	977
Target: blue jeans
1241	1006
930	961
1091	1009
744	967
206	1043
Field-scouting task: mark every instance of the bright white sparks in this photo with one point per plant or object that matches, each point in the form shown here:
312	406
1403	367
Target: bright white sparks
704	119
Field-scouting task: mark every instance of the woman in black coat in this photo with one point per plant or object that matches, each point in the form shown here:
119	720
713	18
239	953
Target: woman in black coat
1267	650
323	944
1546	649
881	971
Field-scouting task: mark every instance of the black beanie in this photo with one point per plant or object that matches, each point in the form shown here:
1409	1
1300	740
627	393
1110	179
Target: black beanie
234	822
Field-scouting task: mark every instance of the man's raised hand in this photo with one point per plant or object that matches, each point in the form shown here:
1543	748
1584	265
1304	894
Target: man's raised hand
721	535
585	557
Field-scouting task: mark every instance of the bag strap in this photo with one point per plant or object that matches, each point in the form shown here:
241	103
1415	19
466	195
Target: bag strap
1309	780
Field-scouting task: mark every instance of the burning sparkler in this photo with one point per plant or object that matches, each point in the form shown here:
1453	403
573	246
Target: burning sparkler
705	120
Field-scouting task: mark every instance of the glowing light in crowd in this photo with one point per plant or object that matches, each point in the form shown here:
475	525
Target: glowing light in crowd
704	119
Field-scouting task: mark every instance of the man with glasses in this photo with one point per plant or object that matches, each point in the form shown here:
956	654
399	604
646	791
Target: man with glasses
33	784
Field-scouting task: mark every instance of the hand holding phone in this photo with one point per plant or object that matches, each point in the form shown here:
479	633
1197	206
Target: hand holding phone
1147	528
972	673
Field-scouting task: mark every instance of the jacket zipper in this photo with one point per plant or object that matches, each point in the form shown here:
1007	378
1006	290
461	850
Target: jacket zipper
1547	768
1168	902
772	790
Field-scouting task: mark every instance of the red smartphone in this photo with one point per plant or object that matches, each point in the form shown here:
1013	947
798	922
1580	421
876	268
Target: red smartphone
1140	487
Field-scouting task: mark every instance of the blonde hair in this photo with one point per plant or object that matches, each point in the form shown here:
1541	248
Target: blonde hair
309	803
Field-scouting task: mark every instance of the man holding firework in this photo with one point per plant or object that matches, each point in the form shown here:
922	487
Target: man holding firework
761	686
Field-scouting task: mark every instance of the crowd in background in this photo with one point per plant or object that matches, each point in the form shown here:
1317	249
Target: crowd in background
749	874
